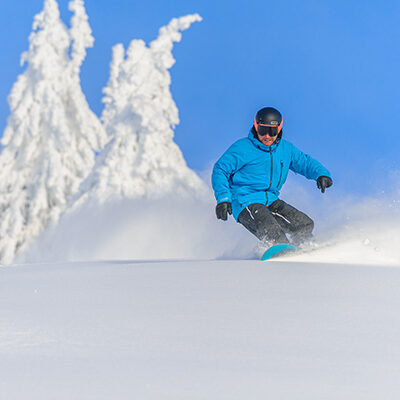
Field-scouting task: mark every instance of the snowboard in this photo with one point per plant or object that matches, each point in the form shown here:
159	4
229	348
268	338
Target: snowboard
277	251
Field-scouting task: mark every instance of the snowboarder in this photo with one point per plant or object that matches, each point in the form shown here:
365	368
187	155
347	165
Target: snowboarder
248	177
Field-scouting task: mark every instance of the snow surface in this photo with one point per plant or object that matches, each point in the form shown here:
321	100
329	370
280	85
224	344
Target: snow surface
228	329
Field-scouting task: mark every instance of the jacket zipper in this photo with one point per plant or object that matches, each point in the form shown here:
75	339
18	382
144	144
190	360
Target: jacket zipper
280	176
272	170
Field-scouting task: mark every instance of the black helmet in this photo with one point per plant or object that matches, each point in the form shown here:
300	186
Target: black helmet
268	120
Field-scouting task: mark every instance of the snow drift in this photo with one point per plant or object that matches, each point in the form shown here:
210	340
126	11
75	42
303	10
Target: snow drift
348	230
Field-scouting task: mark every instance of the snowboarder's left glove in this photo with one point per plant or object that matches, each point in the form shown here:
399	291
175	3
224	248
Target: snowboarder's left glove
324	182
223	209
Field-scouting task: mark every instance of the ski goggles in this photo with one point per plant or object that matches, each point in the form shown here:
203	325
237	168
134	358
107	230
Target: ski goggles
268	129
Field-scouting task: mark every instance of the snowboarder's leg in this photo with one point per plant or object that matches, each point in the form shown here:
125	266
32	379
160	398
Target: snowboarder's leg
258	219
292	221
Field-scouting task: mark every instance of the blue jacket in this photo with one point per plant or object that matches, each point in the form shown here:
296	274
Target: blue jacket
251	172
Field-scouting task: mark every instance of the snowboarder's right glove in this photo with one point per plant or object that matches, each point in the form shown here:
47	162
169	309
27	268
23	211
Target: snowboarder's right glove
223	209
324	182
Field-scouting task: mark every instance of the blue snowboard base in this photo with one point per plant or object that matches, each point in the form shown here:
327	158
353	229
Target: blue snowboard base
277	251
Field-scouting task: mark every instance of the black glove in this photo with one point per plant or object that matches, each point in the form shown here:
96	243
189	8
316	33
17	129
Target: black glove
324	182
223	209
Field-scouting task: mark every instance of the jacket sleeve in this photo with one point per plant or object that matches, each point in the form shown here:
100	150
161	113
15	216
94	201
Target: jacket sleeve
306	165
230	162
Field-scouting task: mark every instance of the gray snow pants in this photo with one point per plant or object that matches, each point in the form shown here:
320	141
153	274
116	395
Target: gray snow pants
271	224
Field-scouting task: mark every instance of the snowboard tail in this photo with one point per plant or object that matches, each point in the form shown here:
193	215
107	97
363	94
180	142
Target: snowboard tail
277	251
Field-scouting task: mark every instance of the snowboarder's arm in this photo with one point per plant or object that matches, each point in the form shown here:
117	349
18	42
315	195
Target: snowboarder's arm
230	162
306	165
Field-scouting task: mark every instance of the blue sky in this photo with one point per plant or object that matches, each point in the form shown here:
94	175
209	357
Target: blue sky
331	68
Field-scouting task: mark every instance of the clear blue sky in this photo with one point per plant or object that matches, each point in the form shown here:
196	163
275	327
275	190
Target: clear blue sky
331	67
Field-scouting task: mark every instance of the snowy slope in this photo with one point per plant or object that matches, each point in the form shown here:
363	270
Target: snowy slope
199	330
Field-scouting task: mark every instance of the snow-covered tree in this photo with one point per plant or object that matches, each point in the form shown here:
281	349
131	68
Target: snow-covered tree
141	159
49	143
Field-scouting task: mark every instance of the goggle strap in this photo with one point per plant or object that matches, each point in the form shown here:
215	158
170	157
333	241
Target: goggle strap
270	126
